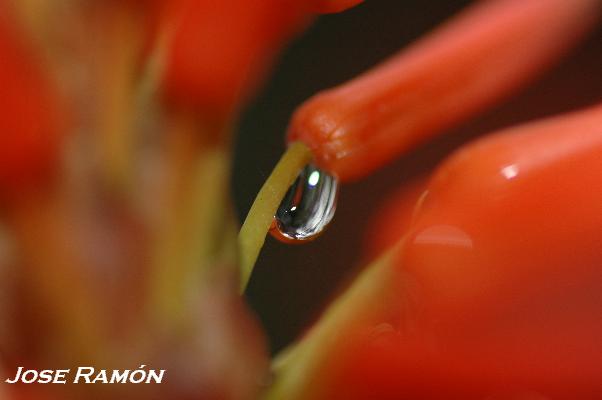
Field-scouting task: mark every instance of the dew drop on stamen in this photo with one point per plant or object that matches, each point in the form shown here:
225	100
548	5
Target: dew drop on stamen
308	206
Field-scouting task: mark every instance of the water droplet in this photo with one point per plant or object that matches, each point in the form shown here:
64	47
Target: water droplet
308	206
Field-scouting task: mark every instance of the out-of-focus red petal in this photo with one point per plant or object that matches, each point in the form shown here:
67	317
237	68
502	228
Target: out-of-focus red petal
219	50
30	115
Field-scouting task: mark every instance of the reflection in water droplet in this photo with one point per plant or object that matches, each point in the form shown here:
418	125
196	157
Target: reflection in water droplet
307	207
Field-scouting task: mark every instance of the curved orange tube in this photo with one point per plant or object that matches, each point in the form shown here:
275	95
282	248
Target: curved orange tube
517	210
477	58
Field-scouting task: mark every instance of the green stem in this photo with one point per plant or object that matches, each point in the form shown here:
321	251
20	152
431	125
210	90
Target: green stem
252	234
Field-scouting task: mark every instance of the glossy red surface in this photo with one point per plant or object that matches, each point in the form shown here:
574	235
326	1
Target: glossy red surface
503	275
